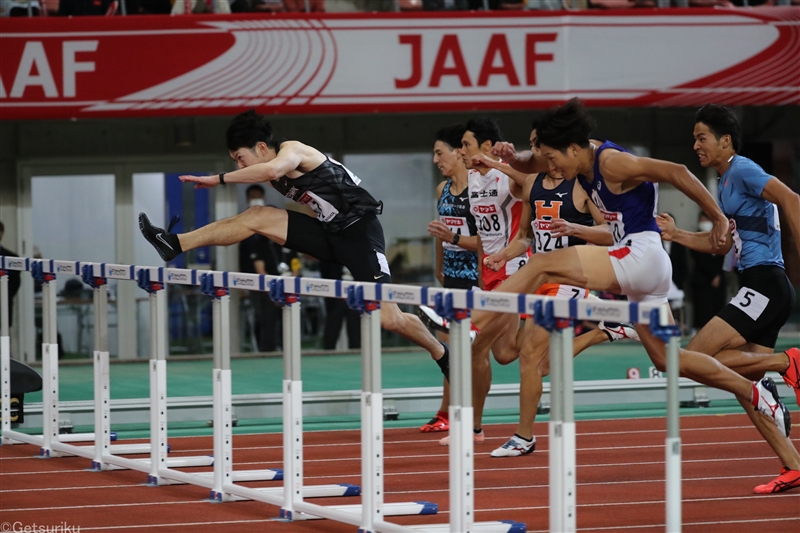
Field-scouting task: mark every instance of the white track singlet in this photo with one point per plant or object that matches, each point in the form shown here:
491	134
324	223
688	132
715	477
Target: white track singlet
497	213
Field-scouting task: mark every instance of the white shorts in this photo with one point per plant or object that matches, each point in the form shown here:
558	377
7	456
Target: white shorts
642	267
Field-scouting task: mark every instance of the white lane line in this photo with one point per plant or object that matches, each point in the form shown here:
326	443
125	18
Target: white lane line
530	508
603	483
662	526
435	440
416	441
428	472
98	506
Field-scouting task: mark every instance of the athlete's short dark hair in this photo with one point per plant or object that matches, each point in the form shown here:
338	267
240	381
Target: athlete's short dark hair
254	187
248	129
721	120
535	124
485	129
451	135
562	126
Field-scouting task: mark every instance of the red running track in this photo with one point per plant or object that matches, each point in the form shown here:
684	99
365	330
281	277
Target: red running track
620	482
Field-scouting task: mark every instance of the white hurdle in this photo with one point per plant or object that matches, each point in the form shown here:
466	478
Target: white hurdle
555	314
51	442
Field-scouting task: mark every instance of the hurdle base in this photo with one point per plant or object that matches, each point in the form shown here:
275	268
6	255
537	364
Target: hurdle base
389	509
501	526
309	491
270	474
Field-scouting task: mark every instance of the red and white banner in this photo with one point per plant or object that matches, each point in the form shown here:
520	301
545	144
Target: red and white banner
194	65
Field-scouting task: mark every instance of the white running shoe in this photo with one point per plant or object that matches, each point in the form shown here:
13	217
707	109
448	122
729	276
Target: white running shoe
515	447
767	401
478	438
431	319
617	331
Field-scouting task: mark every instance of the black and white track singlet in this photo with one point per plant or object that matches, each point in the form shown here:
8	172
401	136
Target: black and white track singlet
332	192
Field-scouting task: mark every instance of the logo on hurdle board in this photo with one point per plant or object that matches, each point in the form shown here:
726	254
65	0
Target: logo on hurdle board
600	311
243	282
394	294
177	276
117	272
15	264
318	288
489	301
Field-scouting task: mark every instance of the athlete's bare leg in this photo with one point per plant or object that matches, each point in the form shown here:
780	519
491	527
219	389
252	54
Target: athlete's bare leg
709	340
559	266
534	364
721	341
579	344
409	326
590	267
273	223
270	222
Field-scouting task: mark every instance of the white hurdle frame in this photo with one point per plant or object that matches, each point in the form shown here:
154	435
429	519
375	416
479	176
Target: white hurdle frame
51	442
369	515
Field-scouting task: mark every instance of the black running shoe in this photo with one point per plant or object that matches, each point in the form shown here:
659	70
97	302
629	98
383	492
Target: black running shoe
444	361
165	243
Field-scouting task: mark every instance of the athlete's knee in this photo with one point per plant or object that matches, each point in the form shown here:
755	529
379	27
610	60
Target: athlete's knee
258	215
506	357
391	321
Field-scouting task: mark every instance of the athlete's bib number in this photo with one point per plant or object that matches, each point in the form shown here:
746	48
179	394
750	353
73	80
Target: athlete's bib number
489	223
614	221
751	302
457	225
545	241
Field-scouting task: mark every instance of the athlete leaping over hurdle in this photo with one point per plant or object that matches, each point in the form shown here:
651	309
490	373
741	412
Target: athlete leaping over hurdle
624	188
346	229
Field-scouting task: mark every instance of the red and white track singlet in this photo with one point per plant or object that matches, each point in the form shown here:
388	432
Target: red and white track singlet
497	214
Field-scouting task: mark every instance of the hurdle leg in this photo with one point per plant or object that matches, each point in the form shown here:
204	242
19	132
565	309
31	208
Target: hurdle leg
673	444
102	393
562	431
292	409
5	360
158	384
49	369
462	479
223	402
371	419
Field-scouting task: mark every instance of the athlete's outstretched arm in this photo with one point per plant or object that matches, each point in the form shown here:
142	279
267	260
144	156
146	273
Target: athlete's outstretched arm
526	162
292	156
698	241
778	193
518	177
625	168
599	234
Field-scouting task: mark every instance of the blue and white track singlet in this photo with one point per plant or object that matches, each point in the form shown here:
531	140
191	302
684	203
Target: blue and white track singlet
455	213
754	221
630	212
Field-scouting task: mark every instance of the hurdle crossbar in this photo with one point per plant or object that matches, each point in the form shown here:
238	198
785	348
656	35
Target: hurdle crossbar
562	426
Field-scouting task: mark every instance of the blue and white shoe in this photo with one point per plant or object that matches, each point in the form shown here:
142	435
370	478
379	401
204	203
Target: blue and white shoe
515	447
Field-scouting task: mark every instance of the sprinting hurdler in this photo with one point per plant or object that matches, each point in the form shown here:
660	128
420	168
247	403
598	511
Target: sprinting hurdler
345	228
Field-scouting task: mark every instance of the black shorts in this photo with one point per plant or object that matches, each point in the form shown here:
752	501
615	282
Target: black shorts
458	283
360	247
762	306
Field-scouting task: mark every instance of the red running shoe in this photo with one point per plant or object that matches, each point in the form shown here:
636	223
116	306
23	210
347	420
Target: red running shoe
437	423
792	374
788	480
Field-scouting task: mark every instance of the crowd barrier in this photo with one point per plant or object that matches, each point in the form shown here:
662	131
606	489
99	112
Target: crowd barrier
554	314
